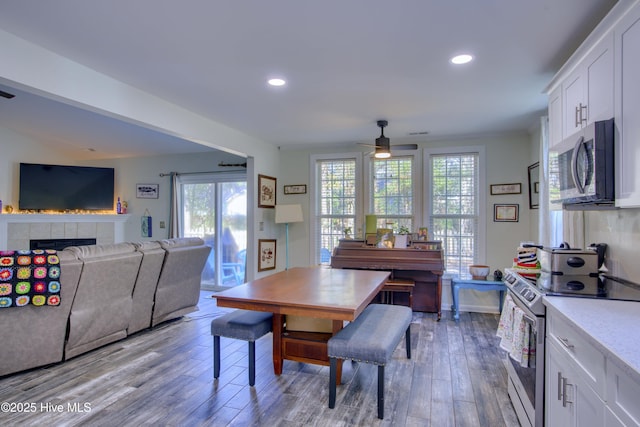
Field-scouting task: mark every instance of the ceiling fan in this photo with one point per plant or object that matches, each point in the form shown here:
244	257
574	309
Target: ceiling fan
383	144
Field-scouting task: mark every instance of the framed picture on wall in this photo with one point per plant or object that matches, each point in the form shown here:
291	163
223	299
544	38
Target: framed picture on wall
497	189
147	191
266	191
266	254
505	213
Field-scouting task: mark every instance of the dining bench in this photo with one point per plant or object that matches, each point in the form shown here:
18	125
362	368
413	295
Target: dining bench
371	338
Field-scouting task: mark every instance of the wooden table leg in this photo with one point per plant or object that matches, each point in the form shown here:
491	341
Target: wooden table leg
337	326
278	322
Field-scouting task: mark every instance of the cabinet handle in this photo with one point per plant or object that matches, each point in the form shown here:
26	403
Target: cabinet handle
565	383
583	108
577	119
560	385
565	342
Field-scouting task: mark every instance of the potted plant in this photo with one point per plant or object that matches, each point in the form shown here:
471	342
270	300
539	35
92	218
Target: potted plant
402	237
347	232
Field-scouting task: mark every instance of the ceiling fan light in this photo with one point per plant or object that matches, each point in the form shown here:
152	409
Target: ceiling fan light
382	153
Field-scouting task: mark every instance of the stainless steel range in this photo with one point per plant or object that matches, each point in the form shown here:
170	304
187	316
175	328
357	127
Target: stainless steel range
526	385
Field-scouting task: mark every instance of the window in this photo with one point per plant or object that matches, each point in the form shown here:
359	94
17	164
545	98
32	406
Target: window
392	192
336	202
455	205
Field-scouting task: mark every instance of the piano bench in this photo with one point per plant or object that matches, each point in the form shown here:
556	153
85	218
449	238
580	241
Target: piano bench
397	285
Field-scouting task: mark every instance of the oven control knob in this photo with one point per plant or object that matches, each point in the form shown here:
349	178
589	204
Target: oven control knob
530	295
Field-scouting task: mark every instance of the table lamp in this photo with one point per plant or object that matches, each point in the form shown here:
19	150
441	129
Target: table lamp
286	214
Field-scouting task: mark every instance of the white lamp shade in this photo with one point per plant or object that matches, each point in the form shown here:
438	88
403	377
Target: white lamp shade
288	213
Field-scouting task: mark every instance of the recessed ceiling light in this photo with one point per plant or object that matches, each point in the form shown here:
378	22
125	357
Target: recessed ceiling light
276	82
461	59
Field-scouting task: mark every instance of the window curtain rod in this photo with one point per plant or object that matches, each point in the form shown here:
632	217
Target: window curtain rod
163	174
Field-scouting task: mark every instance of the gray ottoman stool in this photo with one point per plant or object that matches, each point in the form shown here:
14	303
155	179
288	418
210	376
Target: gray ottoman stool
243	325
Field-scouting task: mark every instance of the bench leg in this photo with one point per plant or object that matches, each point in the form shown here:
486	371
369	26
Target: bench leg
216	356
407	341
252	363
381	391
333	362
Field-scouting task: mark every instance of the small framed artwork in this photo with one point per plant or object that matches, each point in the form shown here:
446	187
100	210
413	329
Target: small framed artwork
505	213
147	191
266	191
295	189
497	189
423	233
266	254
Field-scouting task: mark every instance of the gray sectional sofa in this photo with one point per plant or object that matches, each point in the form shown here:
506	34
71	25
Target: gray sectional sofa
107	293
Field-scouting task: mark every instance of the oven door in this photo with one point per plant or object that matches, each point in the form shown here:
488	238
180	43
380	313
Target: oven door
526	384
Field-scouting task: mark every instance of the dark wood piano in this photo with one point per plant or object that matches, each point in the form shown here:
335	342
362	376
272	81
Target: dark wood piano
422	262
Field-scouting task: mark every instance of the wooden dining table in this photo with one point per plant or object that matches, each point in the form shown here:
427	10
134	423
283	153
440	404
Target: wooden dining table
316	292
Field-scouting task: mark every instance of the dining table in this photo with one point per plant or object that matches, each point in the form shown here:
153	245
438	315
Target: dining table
316	292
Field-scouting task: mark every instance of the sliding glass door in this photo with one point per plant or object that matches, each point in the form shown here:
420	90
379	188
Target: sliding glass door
214	208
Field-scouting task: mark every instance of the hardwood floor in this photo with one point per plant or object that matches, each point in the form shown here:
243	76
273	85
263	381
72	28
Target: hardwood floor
165	377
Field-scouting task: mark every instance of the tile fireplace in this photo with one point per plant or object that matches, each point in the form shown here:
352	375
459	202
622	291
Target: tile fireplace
18	230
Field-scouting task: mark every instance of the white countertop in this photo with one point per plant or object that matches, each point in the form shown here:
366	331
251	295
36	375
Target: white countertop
612	326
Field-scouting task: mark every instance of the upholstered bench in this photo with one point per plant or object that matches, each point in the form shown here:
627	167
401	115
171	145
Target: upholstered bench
243	325
371	338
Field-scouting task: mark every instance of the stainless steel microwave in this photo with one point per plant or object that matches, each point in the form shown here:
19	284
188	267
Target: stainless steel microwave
581	167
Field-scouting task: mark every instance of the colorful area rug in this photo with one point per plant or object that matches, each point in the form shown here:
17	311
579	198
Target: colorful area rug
29	277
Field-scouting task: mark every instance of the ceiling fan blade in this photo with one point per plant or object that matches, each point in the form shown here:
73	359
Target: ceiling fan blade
366	145
404	146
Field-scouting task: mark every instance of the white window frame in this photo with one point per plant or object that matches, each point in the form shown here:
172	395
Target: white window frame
481	248
315	188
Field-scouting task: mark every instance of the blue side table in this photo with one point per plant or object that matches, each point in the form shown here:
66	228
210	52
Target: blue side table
478	285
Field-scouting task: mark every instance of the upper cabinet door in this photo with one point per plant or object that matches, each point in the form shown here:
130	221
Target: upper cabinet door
588	92
600	88
627	111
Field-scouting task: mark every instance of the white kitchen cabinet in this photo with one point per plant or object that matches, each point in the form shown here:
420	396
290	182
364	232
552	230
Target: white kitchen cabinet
623	397
588	92
575	378
627	109
585	386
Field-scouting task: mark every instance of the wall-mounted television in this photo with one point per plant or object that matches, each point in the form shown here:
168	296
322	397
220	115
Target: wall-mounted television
64	188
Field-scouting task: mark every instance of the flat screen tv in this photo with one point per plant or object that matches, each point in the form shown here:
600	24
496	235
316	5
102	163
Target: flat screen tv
64	188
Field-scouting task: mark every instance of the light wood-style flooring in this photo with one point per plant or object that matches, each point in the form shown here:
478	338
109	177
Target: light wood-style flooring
164	376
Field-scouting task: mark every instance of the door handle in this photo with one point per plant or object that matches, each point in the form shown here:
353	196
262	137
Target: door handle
574	165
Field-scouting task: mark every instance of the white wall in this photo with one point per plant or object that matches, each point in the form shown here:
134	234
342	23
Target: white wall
17	148
620	229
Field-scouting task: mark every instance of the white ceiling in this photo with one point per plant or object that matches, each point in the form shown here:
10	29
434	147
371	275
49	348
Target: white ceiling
347	63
